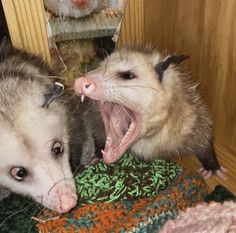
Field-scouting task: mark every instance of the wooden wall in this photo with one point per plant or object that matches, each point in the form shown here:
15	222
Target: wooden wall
205	30
26	25
132	28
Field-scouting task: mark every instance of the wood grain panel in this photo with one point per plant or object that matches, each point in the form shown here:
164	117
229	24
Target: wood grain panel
132	27
206	30
26	24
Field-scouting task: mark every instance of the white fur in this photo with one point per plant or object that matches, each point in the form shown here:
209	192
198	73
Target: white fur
67	8
26	141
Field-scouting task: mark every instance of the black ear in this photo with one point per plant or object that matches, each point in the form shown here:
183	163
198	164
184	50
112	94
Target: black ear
57	90
163	65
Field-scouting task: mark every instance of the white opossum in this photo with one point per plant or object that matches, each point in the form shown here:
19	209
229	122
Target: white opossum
72	8
149	107
34	145
81	8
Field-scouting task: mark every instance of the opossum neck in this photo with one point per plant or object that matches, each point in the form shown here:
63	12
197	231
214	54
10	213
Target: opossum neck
169	125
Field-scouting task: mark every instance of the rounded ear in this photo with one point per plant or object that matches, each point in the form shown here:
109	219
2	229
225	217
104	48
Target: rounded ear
56	91
163	65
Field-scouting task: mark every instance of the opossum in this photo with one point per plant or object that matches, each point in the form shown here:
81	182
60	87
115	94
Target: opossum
81	8
150	107
34	129
72	8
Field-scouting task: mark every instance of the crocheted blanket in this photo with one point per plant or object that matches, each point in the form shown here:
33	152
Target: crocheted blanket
130	178
210	218
129	196
141	215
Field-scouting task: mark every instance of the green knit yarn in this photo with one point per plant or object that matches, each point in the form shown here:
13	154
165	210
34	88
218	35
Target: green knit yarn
130	178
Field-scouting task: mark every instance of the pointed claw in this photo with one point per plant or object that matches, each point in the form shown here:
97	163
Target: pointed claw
221	173
207	174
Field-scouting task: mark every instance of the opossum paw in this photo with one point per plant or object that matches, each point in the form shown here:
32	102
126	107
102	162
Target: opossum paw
111	11
49	15
206	174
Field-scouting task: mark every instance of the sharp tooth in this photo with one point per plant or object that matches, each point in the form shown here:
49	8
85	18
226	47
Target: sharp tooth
102	102
82	98
103	152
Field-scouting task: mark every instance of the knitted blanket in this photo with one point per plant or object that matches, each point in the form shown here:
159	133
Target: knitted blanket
129	196
210	218
140	215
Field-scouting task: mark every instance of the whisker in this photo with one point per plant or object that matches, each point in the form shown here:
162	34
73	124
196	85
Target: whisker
127	113
105	66
121	113
77	169
133	87
50	76
122	100
35	212
17	212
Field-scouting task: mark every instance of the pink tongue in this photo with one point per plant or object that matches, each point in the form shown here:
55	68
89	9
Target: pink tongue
118	124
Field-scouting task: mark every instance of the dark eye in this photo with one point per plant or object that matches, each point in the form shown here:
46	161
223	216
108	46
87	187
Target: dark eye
127	75
19	173
57	148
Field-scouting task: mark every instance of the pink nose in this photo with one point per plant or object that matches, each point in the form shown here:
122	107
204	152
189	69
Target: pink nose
84	86
80	3
67	203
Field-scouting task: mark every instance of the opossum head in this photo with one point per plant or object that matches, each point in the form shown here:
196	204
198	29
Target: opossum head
71	8
135	92
34	144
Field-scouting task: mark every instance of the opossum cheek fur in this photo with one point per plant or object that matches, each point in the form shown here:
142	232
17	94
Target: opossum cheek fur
48	180
59	191
35	157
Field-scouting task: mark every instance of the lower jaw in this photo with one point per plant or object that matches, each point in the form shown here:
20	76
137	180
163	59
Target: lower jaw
119	151
113	158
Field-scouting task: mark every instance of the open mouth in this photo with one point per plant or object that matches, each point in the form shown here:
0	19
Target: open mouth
122	126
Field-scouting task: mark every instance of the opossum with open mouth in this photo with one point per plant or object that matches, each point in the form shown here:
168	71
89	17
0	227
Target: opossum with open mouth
150	107
34	145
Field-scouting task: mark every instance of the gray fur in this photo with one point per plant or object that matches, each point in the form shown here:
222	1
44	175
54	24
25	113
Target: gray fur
28	130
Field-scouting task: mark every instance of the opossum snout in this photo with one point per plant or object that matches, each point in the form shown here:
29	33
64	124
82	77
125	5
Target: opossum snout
61	197
88	87
67	203
84	86
81	3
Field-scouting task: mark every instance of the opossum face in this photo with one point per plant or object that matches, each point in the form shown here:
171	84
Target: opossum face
34	149
71	8
133	101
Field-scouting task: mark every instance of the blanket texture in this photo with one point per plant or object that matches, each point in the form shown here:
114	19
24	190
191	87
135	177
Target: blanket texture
205	218
129	196
130	178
